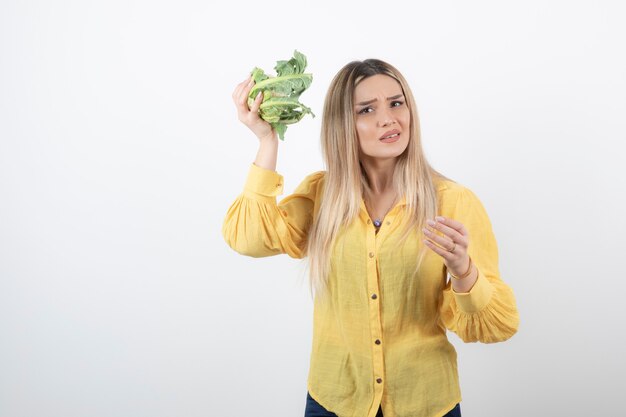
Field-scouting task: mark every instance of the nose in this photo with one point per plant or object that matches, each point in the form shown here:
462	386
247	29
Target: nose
386	118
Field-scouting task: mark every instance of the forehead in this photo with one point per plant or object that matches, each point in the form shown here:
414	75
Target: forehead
376	85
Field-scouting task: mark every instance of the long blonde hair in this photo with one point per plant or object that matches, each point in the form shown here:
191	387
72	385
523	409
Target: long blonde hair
345	181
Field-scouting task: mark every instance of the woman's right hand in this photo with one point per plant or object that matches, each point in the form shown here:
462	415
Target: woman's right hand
249	116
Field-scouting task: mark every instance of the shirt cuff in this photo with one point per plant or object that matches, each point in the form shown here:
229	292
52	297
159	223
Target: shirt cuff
478	296
263	183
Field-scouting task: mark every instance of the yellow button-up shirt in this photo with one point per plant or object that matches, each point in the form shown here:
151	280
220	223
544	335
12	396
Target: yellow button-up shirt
381	340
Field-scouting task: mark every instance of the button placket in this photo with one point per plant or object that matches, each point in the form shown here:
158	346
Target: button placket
372	243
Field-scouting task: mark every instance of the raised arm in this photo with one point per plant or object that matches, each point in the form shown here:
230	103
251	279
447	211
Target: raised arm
255	225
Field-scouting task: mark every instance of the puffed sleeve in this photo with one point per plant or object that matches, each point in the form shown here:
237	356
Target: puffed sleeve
255	225
488	312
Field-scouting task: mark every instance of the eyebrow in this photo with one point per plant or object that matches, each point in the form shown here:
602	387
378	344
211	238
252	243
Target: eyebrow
365	103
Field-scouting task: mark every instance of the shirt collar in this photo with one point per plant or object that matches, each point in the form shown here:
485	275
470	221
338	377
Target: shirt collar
439	185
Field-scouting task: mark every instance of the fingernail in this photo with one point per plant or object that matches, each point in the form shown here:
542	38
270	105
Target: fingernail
440	219
430	222
258	95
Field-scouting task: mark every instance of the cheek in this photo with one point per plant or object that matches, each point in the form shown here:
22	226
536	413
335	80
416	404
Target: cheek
406	117
363	129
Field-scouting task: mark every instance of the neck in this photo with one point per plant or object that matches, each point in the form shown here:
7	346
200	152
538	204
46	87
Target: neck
379	174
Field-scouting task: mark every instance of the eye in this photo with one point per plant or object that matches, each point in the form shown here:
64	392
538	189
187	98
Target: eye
396	103
393	104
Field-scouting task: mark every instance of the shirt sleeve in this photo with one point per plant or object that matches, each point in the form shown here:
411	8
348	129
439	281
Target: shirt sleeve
488	312
255	225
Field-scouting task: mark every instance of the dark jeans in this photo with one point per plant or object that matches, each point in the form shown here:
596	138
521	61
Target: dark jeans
313	409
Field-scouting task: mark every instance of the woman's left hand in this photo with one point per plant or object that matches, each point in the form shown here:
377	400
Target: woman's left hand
452	246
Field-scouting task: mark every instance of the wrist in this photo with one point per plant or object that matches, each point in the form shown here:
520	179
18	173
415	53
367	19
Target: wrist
270	137
465	274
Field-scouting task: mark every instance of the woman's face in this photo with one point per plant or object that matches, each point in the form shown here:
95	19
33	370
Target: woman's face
380	110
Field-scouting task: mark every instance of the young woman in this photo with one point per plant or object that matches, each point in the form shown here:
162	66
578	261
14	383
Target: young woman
382	231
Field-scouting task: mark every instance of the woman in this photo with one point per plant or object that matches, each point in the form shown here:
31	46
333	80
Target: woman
382	230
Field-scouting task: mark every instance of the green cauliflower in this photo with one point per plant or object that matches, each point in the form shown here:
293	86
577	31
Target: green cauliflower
280	106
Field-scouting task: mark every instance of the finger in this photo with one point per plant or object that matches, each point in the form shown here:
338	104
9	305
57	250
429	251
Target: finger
243	97
248	88
446	230
242	100
257	102
237	93
453	224
240	87
444	242
245	82
438	250
237	96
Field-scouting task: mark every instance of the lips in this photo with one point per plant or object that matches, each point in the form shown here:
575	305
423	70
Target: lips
391	132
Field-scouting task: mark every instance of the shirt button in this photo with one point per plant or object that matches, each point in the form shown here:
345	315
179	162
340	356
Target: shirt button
371	254
278	185
377	342
388	222
374	296
379	380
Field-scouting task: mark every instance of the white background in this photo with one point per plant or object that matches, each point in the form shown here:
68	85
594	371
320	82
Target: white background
120	153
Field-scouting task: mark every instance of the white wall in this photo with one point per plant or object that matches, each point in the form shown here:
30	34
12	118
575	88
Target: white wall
120	152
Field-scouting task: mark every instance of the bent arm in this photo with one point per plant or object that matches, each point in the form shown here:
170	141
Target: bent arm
488	312
255	225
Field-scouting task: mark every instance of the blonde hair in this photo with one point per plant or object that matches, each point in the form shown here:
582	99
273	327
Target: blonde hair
345	181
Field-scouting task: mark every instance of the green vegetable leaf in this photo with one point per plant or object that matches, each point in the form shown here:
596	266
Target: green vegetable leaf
280	106
258	75
295	65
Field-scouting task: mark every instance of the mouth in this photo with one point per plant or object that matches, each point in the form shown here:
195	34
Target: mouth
391	136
